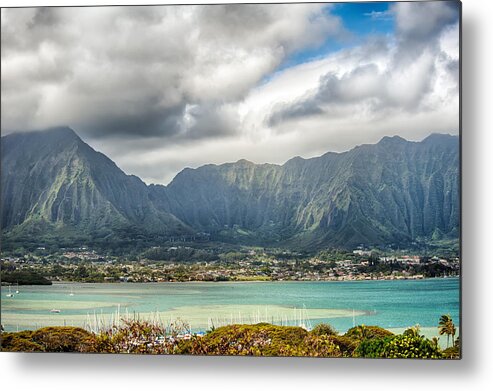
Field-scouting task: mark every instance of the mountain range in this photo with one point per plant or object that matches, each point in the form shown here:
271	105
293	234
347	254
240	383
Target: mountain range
56	189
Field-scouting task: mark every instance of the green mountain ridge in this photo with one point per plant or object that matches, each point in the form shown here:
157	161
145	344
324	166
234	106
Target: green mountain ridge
54	186
394	192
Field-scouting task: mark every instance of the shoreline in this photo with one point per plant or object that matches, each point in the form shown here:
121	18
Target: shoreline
247	282
61	282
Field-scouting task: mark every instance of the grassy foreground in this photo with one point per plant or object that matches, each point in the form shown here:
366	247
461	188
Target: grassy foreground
261	339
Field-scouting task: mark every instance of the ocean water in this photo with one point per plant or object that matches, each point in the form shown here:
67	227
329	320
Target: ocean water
389	304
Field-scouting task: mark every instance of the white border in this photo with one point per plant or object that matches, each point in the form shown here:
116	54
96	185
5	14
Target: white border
474	372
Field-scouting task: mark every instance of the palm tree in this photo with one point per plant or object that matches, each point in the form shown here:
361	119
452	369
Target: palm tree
446	326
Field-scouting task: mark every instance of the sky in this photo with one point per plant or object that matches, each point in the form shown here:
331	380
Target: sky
161	88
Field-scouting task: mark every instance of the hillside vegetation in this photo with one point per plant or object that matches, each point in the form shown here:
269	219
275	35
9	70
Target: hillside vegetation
58	191
261	339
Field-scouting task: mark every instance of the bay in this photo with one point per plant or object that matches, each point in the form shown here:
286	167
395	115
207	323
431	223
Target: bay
390	304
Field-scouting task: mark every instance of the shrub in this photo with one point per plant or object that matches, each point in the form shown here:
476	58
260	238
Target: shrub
64	339
372	348
24	277
346	345
313	346
403	346
262	339
367	332
19	342
413	331
140	337
49	339
24	345
452	352
399	346
323	329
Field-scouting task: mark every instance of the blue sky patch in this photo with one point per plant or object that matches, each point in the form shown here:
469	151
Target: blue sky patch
360	20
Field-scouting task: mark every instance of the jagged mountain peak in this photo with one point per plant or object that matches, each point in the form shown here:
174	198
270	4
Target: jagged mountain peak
437	138
56	187
392	140
57	133
372	194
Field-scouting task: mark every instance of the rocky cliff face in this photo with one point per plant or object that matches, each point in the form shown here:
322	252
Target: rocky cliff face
390	192
395	191
55	184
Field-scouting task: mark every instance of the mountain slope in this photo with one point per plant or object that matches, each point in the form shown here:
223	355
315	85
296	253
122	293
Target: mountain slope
57	189
393	192
55	185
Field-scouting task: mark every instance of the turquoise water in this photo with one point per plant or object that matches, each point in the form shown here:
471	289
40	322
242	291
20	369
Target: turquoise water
389	304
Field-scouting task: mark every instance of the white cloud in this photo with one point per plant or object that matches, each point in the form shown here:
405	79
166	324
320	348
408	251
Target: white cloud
161	88
99	69
379	87
421	21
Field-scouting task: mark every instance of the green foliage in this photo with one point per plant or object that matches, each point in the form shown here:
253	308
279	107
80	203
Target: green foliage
446	326
337	200
346	345
268	340
263	339
313	346
20	345
49	339
24	277
180	254
372	348
138	337
63	193
64	339
367	332
19	342
403	346
413	331
399	346
323	329
452	352
233	256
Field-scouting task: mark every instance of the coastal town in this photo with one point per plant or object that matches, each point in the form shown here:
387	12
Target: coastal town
163	265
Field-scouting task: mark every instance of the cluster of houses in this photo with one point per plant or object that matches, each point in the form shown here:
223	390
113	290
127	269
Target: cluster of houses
255	265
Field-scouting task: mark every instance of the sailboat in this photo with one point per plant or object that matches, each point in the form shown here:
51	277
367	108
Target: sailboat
71	291
10	294
17	290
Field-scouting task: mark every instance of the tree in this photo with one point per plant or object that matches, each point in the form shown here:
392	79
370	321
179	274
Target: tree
367	332
446	326
413	331
362	331
323	329
82	272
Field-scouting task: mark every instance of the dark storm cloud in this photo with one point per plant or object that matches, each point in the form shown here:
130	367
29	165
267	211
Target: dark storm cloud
43	16
155	122
176	124
212	121
134	71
